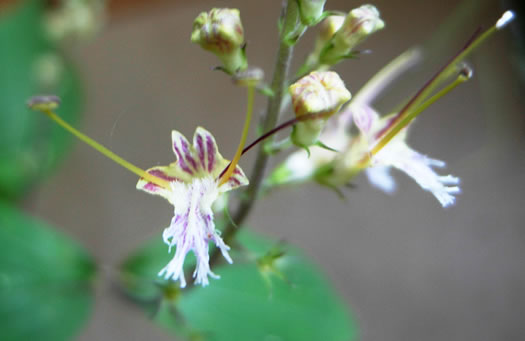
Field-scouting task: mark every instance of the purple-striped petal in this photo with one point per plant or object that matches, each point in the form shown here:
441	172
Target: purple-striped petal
184	153
206	150
237	179
162	172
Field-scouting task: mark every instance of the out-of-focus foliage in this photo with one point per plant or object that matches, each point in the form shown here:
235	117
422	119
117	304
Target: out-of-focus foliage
271	292
45	280
30	145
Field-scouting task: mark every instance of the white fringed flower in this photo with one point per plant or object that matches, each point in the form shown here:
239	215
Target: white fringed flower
194	187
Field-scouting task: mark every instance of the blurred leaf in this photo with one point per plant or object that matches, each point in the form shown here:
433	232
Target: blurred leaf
45	280
30	145
255	299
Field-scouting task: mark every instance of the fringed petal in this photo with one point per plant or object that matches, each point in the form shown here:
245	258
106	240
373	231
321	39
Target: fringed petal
379	176
419	168
192	228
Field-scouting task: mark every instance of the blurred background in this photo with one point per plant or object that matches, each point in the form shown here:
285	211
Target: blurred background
407	268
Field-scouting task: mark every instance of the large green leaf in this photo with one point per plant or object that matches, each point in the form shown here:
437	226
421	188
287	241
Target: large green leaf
272	292
45	280
30	145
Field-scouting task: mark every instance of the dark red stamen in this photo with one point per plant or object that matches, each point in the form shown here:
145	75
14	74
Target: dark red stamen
431	80
277	129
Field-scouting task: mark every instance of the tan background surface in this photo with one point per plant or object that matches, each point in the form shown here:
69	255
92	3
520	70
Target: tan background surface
409	269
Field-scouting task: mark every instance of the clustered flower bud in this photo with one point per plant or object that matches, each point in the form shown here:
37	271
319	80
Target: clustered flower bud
311	11
357	26
220	31
319	93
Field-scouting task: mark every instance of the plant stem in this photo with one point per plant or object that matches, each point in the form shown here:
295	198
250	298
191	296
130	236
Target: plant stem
278	87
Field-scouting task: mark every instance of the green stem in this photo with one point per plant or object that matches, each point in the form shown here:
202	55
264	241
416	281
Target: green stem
278	87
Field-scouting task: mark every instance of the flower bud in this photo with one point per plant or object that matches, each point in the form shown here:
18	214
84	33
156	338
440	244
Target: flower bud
220	31
329	26
311	11
358	25
319	93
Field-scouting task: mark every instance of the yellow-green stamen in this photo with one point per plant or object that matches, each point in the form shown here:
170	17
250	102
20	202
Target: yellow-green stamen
449	68
419	103
414	113
249	110
100	148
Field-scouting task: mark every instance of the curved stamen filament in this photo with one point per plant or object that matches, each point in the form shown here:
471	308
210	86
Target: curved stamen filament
225	176
476	39
392	132
105	151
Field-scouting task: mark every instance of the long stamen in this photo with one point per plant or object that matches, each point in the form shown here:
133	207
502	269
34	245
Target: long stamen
225	176
448	68
418	104
277	129
100	148
414	113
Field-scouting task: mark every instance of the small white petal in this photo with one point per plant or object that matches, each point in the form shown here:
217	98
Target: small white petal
380	177
449	180
434	162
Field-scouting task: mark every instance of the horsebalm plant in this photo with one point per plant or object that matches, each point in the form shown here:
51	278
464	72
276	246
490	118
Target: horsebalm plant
324	113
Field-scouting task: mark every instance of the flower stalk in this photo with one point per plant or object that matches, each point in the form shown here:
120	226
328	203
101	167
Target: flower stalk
278	87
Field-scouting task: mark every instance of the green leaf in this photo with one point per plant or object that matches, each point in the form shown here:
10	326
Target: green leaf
45	280
271	292
31	145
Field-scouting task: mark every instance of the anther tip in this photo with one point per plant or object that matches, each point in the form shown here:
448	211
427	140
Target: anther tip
507	17
466	71
43	102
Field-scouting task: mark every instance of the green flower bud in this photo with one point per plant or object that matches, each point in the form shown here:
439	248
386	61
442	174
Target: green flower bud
310	11
319	93
358	25
220	31
329	27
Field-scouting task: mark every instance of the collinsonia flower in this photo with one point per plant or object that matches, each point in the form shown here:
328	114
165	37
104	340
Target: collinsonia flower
220	31
395	154
191	184
193	187
319	93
